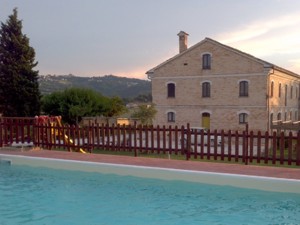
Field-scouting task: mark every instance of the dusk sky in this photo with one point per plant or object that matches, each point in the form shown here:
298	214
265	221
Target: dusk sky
129	37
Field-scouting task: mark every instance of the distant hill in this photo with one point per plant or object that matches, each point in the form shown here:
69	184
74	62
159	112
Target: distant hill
108	85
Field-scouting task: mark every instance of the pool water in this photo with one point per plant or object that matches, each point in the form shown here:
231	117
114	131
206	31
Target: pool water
31	195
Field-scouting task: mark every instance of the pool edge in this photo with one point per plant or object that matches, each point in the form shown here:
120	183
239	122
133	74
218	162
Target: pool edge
215	178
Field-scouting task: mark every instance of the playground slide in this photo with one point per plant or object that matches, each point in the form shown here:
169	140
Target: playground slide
67	139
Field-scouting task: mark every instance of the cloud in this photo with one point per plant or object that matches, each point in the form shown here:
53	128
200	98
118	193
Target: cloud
294	65
275	40
260	28
285	43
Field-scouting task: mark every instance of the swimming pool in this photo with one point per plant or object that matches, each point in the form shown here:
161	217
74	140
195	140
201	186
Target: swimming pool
54	196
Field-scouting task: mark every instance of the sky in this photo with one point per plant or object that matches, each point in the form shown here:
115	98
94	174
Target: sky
128	37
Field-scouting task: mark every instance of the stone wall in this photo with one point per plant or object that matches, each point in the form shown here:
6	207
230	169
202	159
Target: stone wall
228	68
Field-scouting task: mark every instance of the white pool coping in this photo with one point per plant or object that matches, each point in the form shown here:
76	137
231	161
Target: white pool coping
242	181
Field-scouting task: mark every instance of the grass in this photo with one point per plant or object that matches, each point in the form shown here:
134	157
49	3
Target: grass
179	156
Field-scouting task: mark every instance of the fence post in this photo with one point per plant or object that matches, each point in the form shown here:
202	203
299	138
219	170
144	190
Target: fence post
298	149
229	145
290	148
152	139
147	138
188	142
282	148
259	138
164	138
222	145
35	131
141	131
134	140
215	145
158	139
170	140
244	153
113	131
250	142
92	137
268	144
1	127
246	144
176	139
118	134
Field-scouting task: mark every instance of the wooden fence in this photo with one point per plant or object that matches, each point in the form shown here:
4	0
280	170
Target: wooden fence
233	146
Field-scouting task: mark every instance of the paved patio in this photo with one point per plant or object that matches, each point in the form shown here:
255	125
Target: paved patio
267	171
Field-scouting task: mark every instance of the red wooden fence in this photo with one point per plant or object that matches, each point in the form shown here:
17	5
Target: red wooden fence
246	147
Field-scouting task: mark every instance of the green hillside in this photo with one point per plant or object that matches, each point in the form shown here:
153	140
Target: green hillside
107	85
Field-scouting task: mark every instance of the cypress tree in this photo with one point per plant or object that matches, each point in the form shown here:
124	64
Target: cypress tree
19	88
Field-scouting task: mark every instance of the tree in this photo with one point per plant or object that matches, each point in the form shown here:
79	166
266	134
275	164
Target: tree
143	98
145	113
51	104
114	107
74	103
19	88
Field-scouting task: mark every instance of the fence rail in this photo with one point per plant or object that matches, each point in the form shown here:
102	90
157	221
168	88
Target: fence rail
233	146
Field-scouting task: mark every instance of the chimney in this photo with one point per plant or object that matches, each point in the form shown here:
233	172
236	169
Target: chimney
182	41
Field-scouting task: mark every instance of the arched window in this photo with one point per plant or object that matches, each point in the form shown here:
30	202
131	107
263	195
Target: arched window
243	118
285	95
244	86
206	61
271	117
279	90
171	90
279	116
272	89
285	116
205	89
171	117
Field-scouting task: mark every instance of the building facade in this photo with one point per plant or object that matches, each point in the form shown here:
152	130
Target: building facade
218	87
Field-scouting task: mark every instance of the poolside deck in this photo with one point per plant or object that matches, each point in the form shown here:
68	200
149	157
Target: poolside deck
266	171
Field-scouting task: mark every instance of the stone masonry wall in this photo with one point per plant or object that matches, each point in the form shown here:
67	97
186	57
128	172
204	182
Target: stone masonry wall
227	69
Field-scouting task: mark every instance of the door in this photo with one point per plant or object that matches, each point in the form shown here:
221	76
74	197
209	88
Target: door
206	120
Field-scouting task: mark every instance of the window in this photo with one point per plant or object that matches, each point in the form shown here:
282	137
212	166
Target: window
279	90
171	117
291	92
271	117
205	89
285	116
243	88
279	116
272	89
171	90
296	116
285	95
243	118
206	61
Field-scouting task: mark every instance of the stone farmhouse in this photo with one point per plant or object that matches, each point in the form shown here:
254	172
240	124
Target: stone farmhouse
215	86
